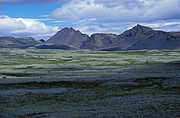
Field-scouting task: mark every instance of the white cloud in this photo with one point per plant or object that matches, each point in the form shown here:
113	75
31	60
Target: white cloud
105	28
25	27
77	10
118	11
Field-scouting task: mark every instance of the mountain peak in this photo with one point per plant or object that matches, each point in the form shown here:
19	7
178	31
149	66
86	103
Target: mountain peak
69	37
68	29
141	27
138	30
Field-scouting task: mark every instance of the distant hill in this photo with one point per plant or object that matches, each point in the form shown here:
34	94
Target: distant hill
12	42
69	37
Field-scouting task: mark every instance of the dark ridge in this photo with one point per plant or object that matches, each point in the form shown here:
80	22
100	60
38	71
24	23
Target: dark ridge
53	46
42	40
139	83
55	84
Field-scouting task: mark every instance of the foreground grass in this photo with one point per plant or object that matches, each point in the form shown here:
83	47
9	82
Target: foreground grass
54	83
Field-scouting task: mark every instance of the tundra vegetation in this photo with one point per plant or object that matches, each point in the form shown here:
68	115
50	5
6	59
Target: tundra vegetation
82	83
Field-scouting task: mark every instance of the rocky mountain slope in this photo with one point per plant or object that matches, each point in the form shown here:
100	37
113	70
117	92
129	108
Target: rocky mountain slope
12	42
68	37
147	38
98	41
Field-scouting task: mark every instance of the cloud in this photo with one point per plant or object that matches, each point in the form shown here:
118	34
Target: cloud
21	27
118	11
169	26
113	3
33	1
104	28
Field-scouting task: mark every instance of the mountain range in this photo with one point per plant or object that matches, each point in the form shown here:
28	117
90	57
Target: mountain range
138	38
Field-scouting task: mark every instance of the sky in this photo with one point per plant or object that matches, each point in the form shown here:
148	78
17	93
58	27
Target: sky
41	19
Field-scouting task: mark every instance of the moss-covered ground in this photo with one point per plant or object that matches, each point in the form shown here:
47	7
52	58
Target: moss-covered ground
58	83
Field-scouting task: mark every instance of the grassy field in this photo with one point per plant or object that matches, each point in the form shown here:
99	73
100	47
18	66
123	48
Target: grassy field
57	83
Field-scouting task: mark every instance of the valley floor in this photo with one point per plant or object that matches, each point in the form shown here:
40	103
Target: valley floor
57	83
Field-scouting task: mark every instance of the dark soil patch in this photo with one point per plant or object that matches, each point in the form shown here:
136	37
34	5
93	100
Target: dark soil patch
17	74
34	115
